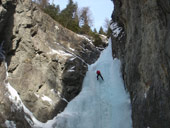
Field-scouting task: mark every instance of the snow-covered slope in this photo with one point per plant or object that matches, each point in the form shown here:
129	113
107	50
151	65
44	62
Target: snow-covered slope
101	104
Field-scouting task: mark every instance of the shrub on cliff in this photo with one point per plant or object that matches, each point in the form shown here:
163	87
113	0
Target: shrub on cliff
97	40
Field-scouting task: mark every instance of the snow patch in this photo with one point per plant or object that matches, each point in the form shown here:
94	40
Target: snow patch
71	69
115	29
69	54
84	37
103	36
71	49
10	124
57	43
59	52
145	95
99	48
13	96
59	95
52	90
71	59
36	95
56	27
46	98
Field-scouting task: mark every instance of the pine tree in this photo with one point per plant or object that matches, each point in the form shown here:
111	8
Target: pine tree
109	32
85	29
95	31
68	17
74	24
85	16
97	40
101	31
85	21
53	11
67	14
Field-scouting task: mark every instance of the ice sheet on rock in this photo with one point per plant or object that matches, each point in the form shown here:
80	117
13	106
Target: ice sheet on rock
100	104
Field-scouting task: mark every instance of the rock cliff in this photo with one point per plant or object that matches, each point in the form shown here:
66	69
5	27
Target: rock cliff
46	63
143	46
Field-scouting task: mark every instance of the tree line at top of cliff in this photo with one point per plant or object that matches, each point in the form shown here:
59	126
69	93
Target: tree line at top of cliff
75	19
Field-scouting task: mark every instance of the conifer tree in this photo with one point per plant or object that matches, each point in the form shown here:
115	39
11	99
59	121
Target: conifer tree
53	11
67	14
95	31
85	20
85	17
108	31
101	31
74	24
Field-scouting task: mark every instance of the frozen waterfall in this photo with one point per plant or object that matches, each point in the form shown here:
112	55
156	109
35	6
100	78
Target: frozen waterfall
100	104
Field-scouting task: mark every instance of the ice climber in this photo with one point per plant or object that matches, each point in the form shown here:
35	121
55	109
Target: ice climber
99	74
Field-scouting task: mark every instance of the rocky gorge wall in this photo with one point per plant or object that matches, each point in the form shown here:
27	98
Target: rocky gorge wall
144	51
46	63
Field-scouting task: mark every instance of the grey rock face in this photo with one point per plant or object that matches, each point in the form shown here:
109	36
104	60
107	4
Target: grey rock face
6	111
46	62
145	53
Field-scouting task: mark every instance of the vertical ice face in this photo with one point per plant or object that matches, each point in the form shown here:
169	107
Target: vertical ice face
100	104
